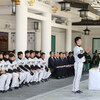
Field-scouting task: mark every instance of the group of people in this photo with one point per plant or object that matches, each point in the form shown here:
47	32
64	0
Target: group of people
91	62
61	64
18	71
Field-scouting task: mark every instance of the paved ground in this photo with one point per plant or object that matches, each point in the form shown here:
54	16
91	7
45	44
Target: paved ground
66	94
32	91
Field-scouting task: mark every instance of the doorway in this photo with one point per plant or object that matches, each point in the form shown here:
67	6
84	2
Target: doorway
53	43
3	41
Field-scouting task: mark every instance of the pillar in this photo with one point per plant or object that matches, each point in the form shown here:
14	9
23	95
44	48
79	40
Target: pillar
21	26
69	37
46	34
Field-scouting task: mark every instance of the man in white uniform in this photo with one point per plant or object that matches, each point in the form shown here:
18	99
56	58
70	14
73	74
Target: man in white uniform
38	66
79	56
6	68
3	75
28	66
33	64
13	70
44	66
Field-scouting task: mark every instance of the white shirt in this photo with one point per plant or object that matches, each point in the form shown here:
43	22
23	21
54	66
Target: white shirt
78	50
37	61
43	62
20	62
32	61
6	65
13	65
27	61
2	65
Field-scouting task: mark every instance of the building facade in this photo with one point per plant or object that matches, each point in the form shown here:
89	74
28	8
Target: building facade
17	30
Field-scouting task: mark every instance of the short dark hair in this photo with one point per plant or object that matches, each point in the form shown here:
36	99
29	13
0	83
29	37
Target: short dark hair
5	53
1	53
96	51
11	55
36	52
27	51
76	39
19	53
60	53
51	52
70	53
42	53
31	51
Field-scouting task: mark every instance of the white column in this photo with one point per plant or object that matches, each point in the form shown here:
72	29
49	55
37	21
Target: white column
69	37
46	34
21	27
38	39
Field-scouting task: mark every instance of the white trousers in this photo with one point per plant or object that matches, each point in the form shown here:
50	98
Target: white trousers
22	77
28	77
35	77
8	81
46	74
3	79
15	82
40	75
78	66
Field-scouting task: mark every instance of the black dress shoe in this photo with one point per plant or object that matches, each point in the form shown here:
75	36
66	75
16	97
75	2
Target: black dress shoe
30	83
10	89
20	86
26	84
78	91
58	77
2	91
43	80
16	88
38	82
46	80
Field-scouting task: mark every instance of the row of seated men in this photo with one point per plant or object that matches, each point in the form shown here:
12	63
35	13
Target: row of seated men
16	72
61	64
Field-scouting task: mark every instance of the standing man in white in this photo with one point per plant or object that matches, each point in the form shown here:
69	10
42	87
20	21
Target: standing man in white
79	56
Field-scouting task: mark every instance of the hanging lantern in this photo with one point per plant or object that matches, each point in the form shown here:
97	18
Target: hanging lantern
65	5
86	31
84	13
13	7
36	26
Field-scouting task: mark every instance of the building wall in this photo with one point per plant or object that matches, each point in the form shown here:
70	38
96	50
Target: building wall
8	25
60	39
35	43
